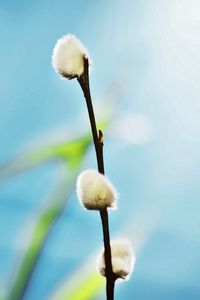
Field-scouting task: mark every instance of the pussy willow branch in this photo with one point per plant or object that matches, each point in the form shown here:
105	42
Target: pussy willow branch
98	143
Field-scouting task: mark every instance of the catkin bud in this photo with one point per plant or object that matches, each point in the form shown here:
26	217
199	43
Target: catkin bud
68	57
123	259
95	191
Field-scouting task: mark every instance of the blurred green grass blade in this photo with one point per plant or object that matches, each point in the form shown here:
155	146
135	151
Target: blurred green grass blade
40	230
45	221
70	155
84	285
86	290
2	293
63	150
90	287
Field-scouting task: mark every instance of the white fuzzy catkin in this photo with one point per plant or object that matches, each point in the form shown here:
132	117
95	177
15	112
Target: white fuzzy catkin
123	259
68	57
95	191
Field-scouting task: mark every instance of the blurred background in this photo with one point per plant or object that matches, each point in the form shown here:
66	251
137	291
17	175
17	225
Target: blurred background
145	82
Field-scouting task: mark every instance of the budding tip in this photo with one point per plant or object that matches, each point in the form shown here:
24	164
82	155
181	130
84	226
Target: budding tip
68	57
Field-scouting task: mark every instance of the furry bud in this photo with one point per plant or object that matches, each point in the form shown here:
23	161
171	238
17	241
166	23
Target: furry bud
123	259
95	191
68	57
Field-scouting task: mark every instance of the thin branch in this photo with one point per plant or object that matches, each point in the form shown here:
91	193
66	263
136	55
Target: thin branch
98	143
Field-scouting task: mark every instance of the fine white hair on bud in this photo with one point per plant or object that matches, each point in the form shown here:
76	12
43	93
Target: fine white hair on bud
123	259
95	191
68	57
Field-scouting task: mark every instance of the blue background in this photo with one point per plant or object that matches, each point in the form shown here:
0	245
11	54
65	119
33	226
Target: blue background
151	50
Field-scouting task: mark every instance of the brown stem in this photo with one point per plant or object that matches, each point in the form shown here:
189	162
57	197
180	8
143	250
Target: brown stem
110	282
98	143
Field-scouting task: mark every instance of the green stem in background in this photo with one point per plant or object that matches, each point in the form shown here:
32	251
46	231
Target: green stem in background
48	216
98	143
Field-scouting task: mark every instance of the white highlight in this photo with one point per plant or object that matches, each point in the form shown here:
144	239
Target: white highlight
123	259
134	129
68	57
95	191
